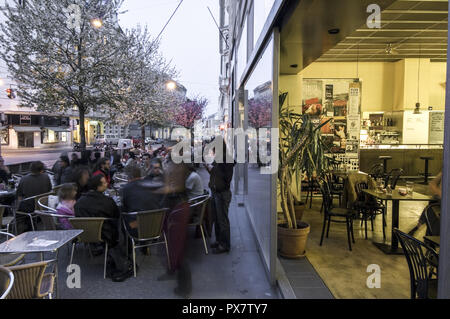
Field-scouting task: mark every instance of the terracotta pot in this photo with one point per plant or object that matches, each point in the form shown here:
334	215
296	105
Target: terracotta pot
292	242
299	210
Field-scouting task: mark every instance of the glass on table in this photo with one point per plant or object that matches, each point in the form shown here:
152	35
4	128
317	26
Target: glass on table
380	185
410	188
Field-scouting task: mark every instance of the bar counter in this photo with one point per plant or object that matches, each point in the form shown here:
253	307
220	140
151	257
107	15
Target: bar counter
406	157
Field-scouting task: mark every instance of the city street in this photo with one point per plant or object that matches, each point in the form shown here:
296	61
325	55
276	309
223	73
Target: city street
47	156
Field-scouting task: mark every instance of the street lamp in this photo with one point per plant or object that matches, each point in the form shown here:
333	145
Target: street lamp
97	23
171	85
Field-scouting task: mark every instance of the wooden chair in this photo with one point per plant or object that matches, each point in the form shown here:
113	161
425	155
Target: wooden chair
150	226
92	233
31	281
197	207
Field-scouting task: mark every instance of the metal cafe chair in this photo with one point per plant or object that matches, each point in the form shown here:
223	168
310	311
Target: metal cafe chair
197	207
43	204
6	221
150	226
421	258
32	215
50	220
10	259
6	282
31	281
92	233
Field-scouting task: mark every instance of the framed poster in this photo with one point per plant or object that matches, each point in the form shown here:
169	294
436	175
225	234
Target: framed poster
436	132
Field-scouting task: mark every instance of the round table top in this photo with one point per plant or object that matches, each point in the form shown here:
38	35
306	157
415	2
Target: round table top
384	157
427	157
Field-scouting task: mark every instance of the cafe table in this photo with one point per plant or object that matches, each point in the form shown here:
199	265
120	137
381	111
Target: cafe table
40	242
393	248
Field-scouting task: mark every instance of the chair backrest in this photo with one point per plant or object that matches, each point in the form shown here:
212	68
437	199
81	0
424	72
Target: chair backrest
393	176
10	259
376	171
91	226
326	193
43	204
56	188
418	255
2	212
359	190
49	219
6	282
198	206
150	223
27	280
433	219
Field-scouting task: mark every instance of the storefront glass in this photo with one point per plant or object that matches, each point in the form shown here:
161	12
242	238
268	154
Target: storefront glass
262	9
242	52
259	96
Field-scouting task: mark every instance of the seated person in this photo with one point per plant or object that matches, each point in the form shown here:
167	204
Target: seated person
156	171
81	178
95	204
103	169
66	195
5	174
138	195
35	183
194	183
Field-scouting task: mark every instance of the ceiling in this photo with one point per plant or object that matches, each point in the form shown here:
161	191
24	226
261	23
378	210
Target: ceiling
414	28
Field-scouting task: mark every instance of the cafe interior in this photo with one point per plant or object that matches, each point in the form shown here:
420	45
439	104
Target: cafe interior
382	88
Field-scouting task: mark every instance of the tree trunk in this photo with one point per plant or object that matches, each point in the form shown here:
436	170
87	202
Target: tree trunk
82	129
143	137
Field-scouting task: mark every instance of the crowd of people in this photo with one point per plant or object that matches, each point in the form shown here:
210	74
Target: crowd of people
154	181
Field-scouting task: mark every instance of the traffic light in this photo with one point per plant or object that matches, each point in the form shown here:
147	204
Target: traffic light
10	93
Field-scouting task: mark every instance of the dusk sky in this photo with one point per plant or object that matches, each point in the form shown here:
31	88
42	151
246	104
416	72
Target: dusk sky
190	41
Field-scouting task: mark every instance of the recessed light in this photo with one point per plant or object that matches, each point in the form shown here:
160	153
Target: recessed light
294	66
334	31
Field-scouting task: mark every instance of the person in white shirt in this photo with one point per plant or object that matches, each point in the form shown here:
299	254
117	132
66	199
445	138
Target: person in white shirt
194	184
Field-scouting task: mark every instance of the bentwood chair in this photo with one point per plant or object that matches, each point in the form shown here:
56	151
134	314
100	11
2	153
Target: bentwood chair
393	177
150	225
92	234
421	258
335	214
31	281
369	207
9	260
6	282
197	207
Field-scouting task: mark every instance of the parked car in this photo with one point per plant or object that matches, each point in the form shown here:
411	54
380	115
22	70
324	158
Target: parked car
112	139
125	143
149	141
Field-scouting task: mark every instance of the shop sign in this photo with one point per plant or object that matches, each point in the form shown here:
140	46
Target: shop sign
25	119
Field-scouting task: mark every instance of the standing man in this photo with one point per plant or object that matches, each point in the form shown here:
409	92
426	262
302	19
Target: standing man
221	175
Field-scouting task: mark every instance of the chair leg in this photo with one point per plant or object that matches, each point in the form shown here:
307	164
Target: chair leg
328	228
106	258
71	255
371	219
32	223
348	234
351	228
384	225
134	257
323	229
365	224
167	250
204	240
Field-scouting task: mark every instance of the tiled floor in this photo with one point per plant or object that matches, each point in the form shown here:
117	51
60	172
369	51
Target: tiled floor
344	272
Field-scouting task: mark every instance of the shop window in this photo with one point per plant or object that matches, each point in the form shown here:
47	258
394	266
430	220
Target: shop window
4	136
242	51
261	12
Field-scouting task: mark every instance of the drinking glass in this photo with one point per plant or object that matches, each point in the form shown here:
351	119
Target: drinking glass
388	190
410	188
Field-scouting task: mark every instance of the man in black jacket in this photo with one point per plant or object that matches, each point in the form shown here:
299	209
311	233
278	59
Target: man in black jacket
221	175
95	204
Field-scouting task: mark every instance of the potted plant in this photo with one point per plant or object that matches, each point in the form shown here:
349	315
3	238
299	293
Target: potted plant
302	151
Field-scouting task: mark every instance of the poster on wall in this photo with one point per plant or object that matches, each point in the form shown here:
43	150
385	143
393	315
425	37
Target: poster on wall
312	97
329	109
436	133
353	127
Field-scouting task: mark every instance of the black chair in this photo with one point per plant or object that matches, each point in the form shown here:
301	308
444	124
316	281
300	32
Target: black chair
369	207
385	158
377	171
421	258
431	213
310	189
336	186
330	213
393	177
426	172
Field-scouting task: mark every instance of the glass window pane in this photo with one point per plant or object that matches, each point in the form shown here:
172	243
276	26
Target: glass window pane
242	52
259	92
262	9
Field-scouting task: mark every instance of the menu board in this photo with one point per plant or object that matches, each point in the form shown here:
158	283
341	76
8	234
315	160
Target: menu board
414	126
436	132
